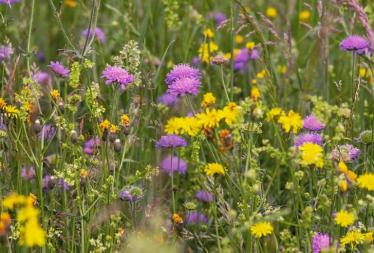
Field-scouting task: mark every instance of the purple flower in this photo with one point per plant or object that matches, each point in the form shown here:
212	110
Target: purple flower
219	17
48	182
171	141
40	56
91	146
131	194
195	217
9	2
255	54
47	133
5	52
312	123
117	75
345	153
63	184
320	242
195	61
182	71
59	69
357	44
204	196
96	32
185	86
28	173
168	99
241	60
42	78
308	137
125	195
172	164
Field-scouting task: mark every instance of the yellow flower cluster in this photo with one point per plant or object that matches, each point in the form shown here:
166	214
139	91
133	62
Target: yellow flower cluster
262	229
31	233
349	175
304	16
311	154
206	120
212	169
208	99
344	218
288	121
366	181
355	237
205	51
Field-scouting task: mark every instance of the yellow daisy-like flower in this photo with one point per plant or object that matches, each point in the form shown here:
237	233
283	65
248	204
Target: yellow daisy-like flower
291	120
262	229
210	119
274	113
212	169
261	74
311	154
183	125
2	103
11	111
104	125
32	234
238	39
342	167
366	181
344	218
351	175
353	238
125	120
55	94
271	12
304	15
113	129
255	93
71	3
208	33
208	99
231	113
250	45
177	219
343	185
205	51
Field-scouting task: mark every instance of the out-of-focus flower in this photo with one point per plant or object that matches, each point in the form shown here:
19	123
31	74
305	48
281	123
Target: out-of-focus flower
304	16
262	229
291	121
9	2
97	32
182	71
28	173
344	218
343	185
48	182
308	137
241	60
195	217
271	12
356	44
42	78
219	17
208	33
312	123
104	125
342	167
274	113
125	120
204	196
320	242
238	39
171	141
206	50
250	45
55	95
47	133
117	75
63	184
59	69
255	94
71	3
366	181
346	153
177	219
5	52
212	169
171	164
168	99
91	146
311	154
208	99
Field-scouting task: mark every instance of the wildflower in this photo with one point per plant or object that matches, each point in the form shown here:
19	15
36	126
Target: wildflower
9	2
208	33
28	173
261	74
212	169
271	12
5	51
11	111
230	113
113	129
219	17
241	60
55	94
304	16
171	141
291	120
342	167
366	181
2	104
71	3
356	44
210	119
205	51
204	196
219	59
185	86
117	75
132	194
250	45
177	219
182	71
171	164
363	72
308	137
351	175
274	113
208	99
311	154
262	229
344	218
238	39
320	242
346	153
32	234
83	173
63	184
194	217
255	93
47	133
343	185
104	125
183	125
353	238
91	146
42	78
168	99
97	32
59	69
312	123
48	182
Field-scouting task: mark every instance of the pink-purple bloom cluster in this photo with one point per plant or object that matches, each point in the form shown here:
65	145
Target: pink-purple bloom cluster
243	57
91	146
171	141
5	53
346	153
356	44
47	133
312	123
28	173
117	75
168	99
183	80
204	196
308	137
97	32
171	164
42	77
59	69
218	17
9	2
195	217
320	242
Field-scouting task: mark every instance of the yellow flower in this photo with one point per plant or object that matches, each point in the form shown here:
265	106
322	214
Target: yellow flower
5	218
363	72
13	200
212	169
342	167
205	51
2	103
262	229
177	218
353	238
208	33
250	45
255	93
271	12
282	69
366	181
209	119
104	125
231	113
71	3
183	125
125	120
344	218
273	113
311	154
32	234
304	15
11	111
55	94
291	120
208	99
261	74
27	213
351	175
113	129
83	173
343	185
239	39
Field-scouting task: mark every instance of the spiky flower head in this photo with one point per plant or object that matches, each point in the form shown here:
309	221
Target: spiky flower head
171	141
117	75
59	69
171	164
182	71
312	123
320	241
356	44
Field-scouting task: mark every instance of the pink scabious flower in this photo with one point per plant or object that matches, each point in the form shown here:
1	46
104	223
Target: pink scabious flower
219	17
308	137
47	133
59	69
28	173
204	196
168	99
5	53
172	164
184	86
320	242
9	2
97	32
345	153
171	141
182	71
356	44
195	217
42	77
312	123
117	75
91	146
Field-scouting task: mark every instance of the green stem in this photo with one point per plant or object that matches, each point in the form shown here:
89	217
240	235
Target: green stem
31	21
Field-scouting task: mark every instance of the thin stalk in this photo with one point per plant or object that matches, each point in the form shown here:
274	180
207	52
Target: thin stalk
31	21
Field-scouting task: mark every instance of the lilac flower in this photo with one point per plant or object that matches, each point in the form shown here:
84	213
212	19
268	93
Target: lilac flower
125	195
219	17
98	32
168	99
131	194
42	78
91	145
40	56
63	184
320	242
185	86
182	71
195	217
312	123
345	153
255	54
172	164
28	173
9	2
241	60
59	69
5	52
48	182
195	61
117	75
308	137
357	44
204	196
47	133
171	141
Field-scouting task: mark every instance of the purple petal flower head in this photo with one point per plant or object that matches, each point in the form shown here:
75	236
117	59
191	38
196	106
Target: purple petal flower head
48	182
195	61
308	137
59	69
117	75
40	56
182	71
5	52
312	123
241	60
185	86
42	78
91	146
168	100
97	32
356	44
125	195
255	54
219	17
320	242
63	184
28	173
345	153
195	217
172	164
204	196
171	141
131	194
9	2
47	133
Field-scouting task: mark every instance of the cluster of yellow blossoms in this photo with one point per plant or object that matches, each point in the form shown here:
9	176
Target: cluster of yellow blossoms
106	125
289	121
10	111
262	229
